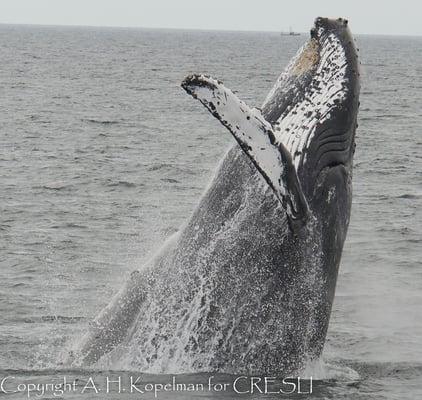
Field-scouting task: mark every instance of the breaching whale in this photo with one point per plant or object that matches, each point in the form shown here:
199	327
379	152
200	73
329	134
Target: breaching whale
247	284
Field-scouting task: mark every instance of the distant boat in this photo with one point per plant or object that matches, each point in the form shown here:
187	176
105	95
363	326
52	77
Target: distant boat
290	33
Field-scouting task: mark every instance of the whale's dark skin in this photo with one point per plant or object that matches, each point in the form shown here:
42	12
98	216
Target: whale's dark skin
247	287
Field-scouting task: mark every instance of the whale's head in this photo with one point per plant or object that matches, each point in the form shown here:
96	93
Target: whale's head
302	139
313	106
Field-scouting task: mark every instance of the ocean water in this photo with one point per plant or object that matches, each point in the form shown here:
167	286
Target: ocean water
103	156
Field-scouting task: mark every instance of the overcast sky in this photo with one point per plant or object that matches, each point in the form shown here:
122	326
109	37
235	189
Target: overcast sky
365	16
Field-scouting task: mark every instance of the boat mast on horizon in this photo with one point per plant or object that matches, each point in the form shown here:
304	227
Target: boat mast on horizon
290	33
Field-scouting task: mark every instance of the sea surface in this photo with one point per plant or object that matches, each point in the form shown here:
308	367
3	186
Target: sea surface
103	156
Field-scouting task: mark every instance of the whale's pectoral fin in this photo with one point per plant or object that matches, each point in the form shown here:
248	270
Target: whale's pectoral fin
256	137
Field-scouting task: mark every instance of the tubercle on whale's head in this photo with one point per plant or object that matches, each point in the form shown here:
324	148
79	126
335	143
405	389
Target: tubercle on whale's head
323	25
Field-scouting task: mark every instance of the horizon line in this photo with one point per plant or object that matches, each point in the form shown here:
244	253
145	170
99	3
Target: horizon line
190	29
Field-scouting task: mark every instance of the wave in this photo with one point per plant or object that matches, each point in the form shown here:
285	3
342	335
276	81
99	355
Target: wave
69	225
99	121
169	180
410	196
385	369
53	186
122	183
47	318
61	318
156	167
144	89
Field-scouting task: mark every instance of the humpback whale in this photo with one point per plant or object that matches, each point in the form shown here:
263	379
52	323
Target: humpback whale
247	284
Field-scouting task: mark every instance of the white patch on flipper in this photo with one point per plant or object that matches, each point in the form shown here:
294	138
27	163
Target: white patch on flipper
248	126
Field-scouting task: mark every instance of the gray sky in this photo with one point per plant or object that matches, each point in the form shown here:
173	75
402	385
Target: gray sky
365	16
